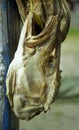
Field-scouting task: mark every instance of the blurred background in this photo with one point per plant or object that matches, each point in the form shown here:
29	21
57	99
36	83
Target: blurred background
64	113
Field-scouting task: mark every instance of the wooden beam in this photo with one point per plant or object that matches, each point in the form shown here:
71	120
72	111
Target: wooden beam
13	38
10	31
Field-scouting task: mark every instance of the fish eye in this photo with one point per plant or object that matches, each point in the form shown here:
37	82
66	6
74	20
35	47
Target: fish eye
49	66
49	62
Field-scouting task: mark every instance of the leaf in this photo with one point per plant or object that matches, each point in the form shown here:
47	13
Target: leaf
31	5
36	17
38	20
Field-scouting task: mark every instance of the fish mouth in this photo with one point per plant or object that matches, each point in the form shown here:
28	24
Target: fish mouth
28	112
32	40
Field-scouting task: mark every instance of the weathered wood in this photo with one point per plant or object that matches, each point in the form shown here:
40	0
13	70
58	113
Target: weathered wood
13	26
13	37
9	35
1	73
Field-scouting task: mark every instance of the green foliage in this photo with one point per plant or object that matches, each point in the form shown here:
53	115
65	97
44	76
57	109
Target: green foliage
73	32
35	16
38	20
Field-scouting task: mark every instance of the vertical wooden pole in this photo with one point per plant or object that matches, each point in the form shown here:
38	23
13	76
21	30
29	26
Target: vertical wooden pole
5	60
13	37
13	26
2	69
10	30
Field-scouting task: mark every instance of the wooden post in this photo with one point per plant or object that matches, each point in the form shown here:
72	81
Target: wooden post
9	35
1	73
13	26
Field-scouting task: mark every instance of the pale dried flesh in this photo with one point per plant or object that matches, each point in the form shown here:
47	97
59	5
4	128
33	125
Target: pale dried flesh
33	77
